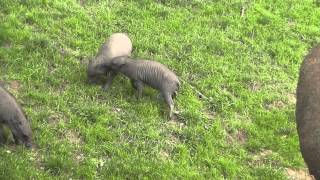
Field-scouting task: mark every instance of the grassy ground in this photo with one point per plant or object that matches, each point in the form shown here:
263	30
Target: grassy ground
243	55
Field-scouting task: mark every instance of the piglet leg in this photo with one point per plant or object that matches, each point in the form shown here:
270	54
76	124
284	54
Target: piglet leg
2	137
110	78
139	86
16	139
169	101
133	84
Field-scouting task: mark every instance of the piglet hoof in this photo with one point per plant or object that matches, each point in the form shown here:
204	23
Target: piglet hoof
174	115
28	145
176	112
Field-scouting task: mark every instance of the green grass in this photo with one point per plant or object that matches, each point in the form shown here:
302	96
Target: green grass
247	63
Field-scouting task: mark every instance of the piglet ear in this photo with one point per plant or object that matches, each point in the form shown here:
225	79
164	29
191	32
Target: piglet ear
118	62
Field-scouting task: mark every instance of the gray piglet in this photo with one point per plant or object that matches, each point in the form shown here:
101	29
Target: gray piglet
12	116
308	111
152	73
118	44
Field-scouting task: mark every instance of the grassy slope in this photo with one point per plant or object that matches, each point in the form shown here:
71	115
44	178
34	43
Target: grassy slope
248	65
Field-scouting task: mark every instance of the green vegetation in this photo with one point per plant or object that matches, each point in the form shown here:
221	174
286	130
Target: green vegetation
243	56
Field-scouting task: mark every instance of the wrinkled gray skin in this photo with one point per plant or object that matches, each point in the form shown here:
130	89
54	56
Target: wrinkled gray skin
118	44
308	111
152	73
12	116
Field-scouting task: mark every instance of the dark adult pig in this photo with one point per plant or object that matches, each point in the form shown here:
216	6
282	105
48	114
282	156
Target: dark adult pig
12	116
308	111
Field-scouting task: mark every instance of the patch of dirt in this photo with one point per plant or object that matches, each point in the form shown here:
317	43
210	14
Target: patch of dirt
291	23
55	118
164	155
210	114
230	139
173	140
255	86
279	104
3	83
263	154
262	157
276	105
176	124
14	85
292	98
172	130
116	110
298	174
37	158
6	45
73	137
239	137
85	61
60	88
65	51
63	86
81	2
52	68
79	157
